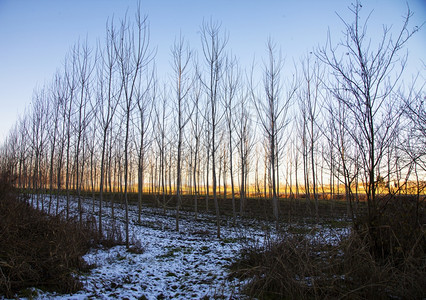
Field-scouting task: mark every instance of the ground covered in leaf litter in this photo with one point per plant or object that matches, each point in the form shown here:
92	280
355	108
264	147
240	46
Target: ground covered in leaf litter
189	264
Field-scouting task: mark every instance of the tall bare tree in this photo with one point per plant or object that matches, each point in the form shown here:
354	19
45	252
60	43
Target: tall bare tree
71	87
244	133
197	124
56	99
213	46
364	77
39	123
232	86
84	68
146	95
272	112
181	54
109	91
309	103
133	56
160	123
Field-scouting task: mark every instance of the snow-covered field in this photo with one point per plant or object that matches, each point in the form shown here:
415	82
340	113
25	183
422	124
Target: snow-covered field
189	264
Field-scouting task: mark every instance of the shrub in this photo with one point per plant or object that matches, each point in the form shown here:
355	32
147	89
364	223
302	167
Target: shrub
38	250
380	261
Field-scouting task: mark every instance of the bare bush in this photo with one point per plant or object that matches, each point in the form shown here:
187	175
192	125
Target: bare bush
371	263
38	250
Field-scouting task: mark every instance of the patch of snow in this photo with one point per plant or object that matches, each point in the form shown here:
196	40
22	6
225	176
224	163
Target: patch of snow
188	264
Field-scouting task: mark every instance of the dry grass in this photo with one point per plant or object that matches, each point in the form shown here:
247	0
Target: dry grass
387	261
37	250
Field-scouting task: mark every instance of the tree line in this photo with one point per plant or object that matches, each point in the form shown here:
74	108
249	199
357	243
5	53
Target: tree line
345	123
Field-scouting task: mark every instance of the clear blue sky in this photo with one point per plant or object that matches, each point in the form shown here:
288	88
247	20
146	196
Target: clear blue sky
36	35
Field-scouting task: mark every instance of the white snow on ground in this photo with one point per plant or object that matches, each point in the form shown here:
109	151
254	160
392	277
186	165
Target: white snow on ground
189	264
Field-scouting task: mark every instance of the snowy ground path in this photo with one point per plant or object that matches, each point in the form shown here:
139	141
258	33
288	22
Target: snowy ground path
189	264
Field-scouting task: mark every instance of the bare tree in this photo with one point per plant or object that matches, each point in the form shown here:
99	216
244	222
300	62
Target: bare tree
39	122
213	46
133	55
57	98
303	148
272	112
61	91
197	124
146	95
8	155
108	95
160	123
23	150
345	169
364	79
71	84
181	54
232	86
244	134
84	68
309	103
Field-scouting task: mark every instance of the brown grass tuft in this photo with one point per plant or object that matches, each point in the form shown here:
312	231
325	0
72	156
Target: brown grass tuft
384	262
37	250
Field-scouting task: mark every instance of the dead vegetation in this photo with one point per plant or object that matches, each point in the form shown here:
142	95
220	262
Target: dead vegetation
382	260
38	250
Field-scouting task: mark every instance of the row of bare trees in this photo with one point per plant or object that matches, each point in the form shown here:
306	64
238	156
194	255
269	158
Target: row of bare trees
345	121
